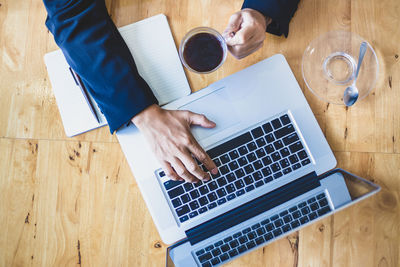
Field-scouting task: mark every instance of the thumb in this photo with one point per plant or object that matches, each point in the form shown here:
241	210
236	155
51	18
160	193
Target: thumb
234	24
200	119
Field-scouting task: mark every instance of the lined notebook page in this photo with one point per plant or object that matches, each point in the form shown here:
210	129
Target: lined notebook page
152	46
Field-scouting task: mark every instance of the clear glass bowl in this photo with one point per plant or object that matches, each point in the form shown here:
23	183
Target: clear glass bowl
198	30
329	64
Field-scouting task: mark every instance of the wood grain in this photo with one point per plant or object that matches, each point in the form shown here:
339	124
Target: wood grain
73	201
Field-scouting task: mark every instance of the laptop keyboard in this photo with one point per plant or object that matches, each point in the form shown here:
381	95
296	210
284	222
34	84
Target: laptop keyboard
263	231
265	153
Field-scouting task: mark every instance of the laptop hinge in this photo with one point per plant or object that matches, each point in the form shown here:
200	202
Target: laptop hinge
253	208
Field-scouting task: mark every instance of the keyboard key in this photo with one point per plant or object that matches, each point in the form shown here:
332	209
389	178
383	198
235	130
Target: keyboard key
249	169
278	223
255	226
194	194
260	153
250	188
257	176
276	156
224	158
242	248
242	150
260	231
296	166
215	261
261	142
221	201
276	123
224	257
202	210
302	154
296	214
270	138
232	253
212	205
286	228
233	154
287	170
185	198
293	159
251	235
259	183
176	202
268	236
250	245
292	209
239	173
284	131
287	218
251	157
285	119
193	214
304	220
225	247
267	127
199	252
275	217
269	227
212	196
194	205
263	222
295	147
216	252
217	162
305	162
212	185
290	139
221	192
311	200
229	145
239	184
234	243
284	163
206	264
182	210
295	224
277	232
283	213
198	184
266	171
233	165
237	235
248	180
240	192
258	165
203	190
243	239
242	161
161	173
205	257
176	192
203	201
277	175
320	196
252	146
323	202
188	186
247	230
183	219
230	197
268	179
171	184
302	204
230	188
221	181
215	176
284	152
305	210
257	132
230	177
324	210
312	216
278	144
259	240
266	160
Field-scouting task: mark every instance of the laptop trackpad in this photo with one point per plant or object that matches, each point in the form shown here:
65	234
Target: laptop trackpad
218	108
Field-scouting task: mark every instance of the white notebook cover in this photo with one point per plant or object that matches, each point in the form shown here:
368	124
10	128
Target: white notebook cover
152	46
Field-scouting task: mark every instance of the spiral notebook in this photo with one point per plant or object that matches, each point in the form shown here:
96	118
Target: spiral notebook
152	46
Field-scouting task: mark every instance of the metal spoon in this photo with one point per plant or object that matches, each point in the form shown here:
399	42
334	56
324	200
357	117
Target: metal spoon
350	95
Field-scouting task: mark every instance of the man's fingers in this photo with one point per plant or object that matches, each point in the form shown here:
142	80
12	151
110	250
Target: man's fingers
233	25
241	37
192	166
199	119
239	51
181	170
203	157
170	172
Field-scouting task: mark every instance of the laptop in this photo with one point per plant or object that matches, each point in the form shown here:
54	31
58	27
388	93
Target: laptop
271	155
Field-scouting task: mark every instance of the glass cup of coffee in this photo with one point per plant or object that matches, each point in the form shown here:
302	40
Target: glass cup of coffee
203	50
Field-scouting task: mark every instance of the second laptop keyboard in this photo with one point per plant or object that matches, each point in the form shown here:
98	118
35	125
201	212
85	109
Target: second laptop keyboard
265	153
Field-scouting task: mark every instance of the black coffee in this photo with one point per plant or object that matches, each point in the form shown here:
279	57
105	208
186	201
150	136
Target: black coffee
203	52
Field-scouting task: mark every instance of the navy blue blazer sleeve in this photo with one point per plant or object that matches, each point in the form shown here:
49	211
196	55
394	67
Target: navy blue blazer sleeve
280	11
94	48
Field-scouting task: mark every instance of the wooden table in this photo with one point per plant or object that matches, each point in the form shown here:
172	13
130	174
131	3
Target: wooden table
74	201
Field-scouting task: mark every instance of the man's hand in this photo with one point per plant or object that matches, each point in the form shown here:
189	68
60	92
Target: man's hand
168	132
245	32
